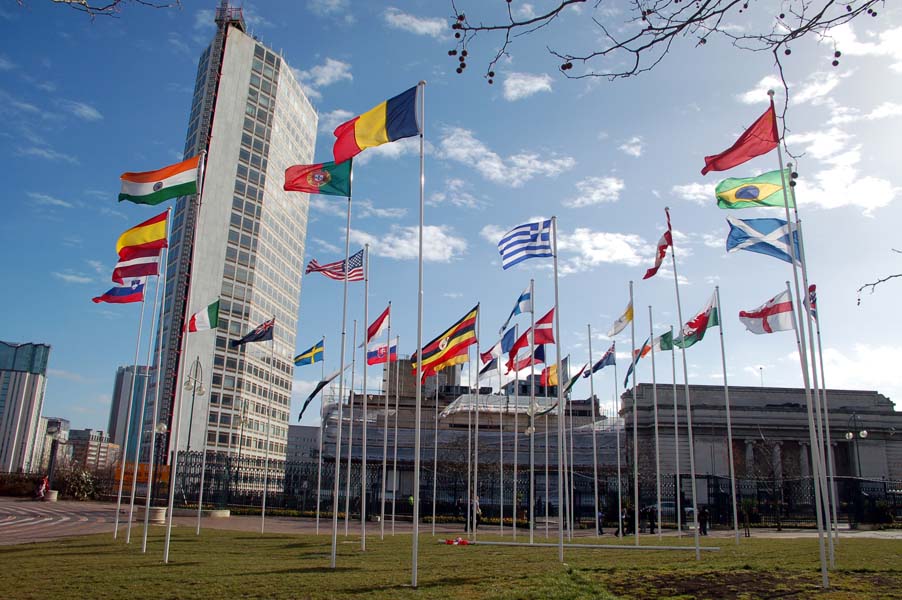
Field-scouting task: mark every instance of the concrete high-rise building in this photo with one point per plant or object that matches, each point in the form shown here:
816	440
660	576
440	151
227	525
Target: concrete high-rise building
119	407
92	449
54	428
253	120
23	376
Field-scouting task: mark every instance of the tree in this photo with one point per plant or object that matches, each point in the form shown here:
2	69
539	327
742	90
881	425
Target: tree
873	285
110	8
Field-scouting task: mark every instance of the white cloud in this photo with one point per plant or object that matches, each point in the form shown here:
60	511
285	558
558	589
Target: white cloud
596	190
6	64
329	8
758	94
330	72
860	366
365	208
460	145
335	208
82	110
524	11
68	375
883	111
98	266
48	153
493	233
453	295
885	44
523	85
590	249
816	87
326	245
698	193
393	151
71	277
455	194
398	19
633	146
203	19
48	200
402	243
332	119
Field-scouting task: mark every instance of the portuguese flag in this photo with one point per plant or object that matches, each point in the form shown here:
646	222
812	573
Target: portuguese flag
324	178
764	190
153	187
694	330
206	319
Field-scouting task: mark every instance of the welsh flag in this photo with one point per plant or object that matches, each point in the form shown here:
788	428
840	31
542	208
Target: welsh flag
206	319
694	330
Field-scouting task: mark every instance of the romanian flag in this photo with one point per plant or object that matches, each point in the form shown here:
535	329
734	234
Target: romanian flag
328	178
764	190
450	347
153	187
149	235
760	138
392	120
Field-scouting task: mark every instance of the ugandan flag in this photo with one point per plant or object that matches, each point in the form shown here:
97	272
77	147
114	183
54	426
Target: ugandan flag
764	190
392	120
450	347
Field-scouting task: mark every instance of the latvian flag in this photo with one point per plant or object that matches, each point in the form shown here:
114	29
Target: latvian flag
142	262
206	319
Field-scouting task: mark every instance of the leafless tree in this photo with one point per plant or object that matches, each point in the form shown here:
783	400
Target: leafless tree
873	285
110	8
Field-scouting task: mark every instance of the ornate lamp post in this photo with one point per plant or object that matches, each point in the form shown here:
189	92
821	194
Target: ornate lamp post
194	381
856	432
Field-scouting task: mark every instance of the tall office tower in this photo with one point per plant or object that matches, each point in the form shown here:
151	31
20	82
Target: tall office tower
252	118
23	375
119	408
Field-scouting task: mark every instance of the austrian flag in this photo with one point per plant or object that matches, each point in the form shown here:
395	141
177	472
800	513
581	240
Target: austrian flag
774	315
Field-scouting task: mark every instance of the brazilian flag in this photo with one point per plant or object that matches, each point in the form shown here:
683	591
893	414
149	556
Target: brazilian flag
764	190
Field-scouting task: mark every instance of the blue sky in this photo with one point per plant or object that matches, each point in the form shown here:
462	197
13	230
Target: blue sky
82	101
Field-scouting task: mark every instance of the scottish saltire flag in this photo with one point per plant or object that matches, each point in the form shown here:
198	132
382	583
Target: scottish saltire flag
608	359
312	355
524	305
765	236
531	240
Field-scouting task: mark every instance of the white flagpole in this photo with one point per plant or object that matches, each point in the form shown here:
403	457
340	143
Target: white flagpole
419	392
594	418
501	445
319	455
385	429
272	398
532	414
203	470
560	399
476	435
394	494
617	431
175	409
435	453
654	393
366	299
726	397
469	464
676	285
678	494
350	426
563	379
515	477
635	422
547	481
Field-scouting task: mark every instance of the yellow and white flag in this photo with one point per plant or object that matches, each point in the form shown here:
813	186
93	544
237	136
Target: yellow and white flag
623	321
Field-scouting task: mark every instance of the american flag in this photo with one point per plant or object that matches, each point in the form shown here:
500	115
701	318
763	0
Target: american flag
336	270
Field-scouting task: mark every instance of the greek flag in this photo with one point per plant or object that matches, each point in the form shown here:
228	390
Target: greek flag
532	240
765	236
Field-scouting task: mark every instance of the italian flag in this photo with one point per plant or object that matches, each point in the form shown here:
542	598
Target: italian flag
153	187
205	319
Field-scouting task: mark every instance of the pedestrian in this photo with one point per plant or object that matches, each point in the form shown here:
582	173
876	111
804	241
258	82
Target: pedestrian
703	521
600	522
650	517
477	511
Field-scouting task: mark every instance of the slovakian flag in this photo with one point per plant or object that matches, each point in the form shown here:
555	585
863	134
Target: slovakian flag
378	326
206	319
262	333
760	138
608	359
665	242
140	263
392	120
130	291
327	178
149	235
153	187
377	354
774	315
544	334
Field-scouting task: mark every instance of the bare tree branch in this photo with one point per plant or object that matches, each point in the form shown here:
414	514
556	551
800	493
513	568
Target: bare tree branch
872	286
111	8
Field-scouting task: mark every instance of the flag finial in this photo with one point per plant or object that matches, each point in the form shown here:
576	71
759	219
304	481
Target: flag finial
770	93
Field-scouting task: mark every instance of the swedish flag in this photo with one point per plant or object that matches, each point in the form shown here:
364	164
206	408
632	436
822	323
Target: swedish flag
308	357
764	190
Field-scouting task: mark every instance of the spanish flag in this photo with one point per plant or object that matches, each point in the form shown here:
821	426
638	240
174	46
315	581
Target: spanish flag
392	120
151	234
450	347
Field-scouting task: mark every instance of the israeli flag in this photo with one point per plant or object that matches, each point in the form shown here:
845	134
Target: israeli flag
765	236
524	305
531	240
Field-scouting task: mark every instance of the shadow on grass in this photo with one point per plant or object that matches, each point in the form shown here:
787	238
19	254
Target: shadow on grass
436	583
296	571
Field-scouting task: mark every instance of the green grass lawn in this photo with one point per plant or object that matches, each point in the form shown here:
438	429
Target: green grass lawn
225	564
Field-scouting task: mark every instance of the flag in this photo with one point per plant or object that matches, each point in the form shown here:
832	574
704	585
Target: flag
140	263
665	242
608	359
764	190
149	235
490	366
153	187
774	315
572	381
380	353
524	305
543	334
327	178
391	120
549	375
765	236
130	291
262	333
319	386
336	270
378	325
450	347
314	354
694	330
641	352
760	138
532	240
622	321
663	342
811	301
537	358
206	319
503	346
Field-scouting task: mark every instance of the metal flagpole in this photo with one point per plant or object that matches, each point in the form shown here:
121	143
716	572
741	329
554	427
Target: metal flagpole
351	426
419	392
203	467
176	408
435	453
385	428
128	417
547	481
678	494
366	298
594	442
654	395
341	387
531	428
571	458
476	436
394	493
501	409
565	462
726	396
617	431
319	455
469	463
560	398
515	480
635	424
272	399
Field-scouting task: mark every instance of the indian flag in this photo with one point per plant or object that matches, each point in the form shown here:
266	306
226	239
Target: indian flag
206	319
153	187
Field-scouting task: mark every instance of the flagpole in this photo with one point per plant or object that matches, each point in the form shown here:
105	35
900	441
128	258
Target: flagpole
563	379
617	431
351	426
203	467
654	393
635	424
469	464
156	406
594	418
515	475
366	299
175	409
676	439
435	453
419	392
560	400
272	398
547	482
676	285
385	428
532	412
501	444
394	493
322	424
476	437
726	396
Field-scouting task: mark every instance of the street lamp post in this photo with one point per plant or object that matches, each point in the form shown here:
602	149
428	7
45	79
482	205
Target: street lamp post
856	431
194	381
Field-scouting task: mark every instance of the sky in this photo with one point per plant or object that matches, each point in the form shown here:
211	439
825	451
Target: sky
82	101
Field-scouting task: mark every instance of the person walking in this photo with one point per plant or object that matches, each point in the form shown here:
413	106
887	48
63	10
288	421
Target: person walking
703	521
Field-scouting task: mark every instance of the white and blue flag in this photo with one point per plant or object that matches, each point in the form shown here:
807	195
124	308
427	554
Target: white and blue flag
765	236
524	305
531	240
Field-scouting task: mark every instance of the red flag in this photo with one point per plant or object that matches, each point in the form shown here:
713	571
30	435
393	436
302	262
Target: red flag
665	241
760	138
378	325
544	334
